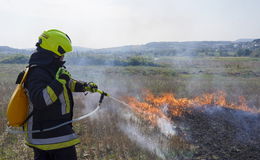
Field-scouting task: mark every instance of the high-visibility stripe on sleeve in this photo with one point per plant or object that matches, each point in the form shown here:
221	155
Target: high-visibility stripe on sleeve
72	85
49	95
63	103
66	96
52	94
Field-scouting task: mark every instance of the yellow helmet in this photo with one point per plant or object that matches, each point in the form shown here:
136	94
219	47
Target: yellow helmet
55	41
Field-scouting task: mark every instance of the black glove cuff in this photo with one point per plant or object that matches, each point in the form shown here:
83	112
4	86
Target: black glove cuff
92	86
85	84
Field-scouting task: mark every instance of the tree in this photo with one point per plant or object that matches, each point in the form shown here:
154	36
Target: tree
244	52
256	53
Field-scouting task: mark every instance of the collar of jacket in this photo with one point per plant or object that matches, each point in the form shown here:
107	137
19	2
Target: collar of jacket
46	59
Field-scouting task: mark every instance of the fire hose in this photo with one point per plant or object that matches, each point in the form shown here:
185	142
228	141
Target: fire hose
103	94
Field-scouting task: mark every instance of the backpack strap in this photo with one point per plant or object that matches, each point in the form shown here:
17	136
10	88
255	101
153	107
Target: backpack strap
22	75
25	75
22	81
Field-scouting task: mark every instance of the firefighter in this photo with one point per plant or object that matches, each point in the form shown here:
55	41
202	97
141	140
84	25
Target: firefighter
49	86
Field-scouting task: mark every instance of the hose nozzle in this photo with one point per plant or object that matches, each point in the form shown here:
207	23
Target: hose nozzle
103	93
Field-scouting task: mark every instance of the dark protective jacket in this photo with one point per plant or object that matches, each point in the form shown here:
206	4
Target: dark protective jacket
50	102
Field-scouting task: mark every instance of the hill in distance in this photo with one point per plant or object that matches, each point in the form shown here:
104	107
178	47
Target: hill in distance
161	48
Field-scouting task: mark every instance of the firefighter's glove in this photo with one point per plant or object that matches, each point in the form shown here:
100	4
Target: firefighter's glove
63	76
91	87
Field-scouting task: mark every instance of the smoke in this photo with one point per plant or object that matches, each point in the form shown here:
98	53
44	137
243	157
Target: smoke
148	137
142	140
144	135
166	127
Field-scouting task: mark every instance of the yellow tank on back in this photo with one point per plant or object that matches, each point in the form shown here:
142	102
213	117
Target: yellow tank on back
18	107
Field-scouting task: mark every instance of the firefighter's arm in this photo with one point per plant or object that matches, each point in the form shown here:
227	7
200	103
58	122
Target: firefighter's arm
80	86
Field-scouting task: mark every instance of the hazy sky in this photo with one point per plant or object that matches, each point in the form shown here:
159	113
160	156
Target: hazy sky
109	23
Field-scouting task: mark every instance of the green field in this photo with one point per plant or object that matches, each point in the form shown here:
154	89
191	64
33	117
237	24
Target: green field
100	135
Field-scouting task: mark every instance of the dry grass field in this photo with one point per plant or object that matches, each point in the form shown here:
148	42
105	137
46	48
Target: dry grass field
117	132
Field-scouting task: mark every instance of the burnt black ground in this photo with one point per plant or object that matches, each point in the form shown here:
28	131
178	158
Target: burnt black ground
222	133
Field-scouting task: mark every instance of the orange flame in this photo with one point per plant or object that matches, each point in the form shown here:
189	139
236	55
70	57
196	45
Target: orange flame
152	106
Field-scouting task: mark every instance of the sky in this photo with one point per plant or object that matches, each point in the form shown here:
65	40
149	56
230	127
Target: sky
112	23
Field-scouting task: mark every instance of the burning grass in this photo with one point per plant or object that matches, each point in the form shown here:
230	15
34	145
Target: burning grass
152	107
217	128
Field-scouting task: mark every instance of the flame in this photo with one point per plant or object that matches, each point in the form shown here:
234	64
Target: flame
153	107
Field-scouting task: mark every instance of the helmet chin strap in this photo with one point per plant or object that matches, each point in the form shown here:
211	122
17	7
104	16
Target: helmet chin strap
59	61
